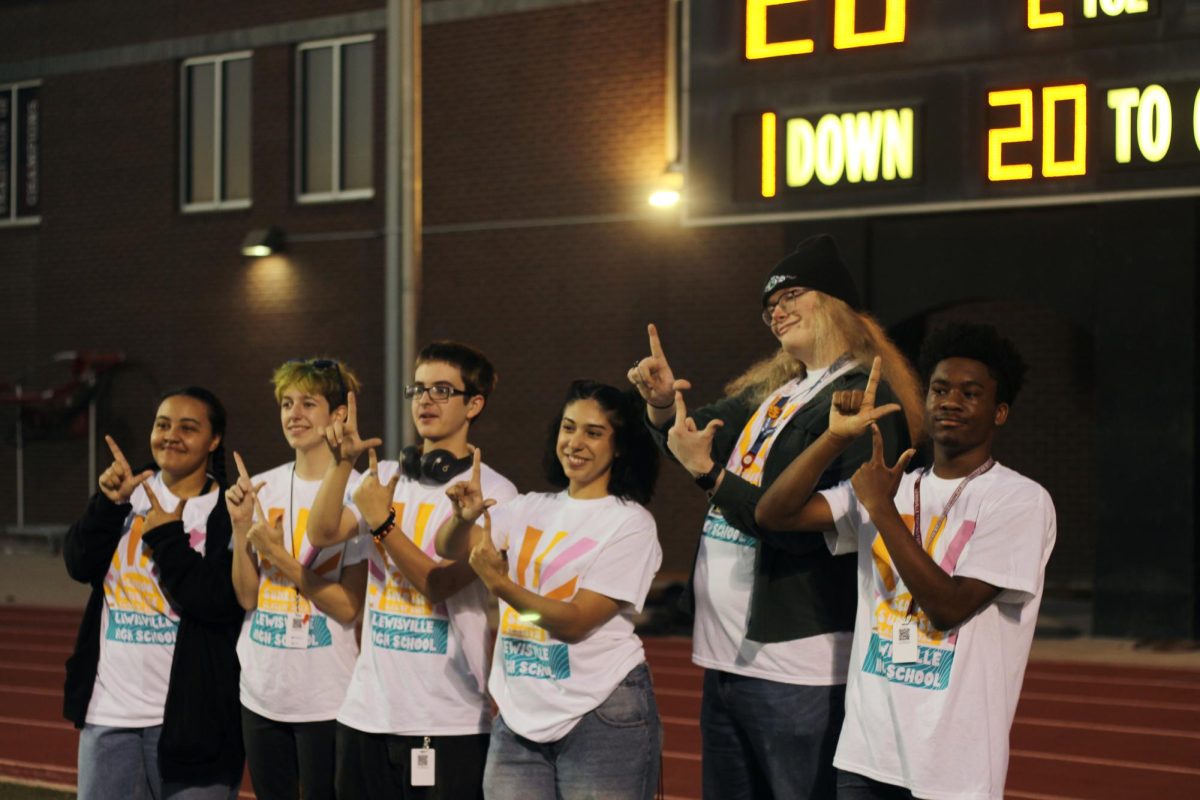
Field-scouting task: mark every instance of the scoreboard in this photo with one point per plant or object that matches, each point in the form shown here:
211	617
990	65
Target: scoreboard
803	109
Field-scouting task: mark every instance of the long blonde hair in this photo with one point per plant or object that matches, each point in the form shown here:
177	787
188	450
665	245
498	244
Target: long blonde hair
864	338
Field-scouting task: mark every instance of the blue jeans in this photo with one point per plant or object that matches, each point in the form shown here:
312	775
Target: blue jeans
119	763
765	739
852	786
613	753
122	764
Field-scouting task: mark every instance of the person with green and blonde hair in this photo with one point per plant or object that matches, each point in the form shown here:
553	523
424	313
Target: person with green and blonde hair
297	646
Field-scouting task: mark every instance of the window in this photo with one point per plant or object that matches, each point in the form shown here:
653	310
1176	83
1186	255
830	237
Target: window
216	132
334	121
20	153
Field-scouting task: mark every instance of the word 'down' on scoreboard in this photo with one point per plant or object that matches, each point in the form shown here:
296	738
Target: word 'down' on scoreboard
802	109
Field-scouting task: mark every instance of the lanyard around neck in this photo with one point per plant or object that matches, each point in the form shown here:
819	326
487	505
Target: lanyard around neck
982	468
776	409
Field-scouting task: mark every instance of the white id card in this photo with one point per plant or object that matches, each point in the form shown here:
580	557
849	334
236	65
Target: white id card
904	642
422	766
296	635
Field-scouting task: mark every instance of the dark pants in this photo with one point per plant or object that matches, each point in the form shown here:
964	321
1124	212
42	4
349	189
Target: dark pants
378	766
289	759
852	786
764	739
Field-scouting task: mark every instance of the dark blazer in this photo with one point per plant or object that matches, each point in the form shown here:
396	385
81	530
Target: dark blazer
799	589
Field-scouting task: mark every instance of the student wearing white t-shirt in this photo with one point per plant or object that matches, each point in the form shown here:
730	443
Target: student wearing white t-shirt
297	646
951	563
415	719
153	679
578	716
773	614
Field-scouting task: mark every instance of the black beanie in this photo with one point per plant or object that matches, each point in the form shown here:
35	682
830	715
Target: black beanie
815	264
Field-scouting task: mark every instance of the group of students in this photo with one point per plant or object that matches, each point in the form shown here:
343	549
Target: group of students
330	626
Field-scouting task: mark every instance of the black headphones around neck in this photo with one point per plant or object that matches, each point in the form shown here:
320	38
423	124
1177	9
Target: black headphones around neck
438	466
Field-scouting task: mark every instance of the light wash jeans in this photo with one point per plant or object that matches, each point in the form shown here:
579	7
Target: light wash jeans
613	753
122	764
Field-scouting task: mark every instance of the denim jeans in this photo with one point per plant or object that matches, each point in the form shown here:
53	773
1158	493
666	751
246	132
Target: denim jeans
613	753
122	764
852	786
119	763
766	739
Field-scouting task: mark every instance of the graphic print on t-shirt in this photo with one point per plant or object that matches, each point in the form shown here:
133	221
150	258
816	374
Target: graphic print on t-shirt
401	617
278	597
892	600
138	613
523	644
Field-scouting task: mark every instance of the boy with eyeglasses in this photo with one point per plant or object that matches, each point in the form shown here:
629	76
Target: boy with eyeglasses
416	718
297	646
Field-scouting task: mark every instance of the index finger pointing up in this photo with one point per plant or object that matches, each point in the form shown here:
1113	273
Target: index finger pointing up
872	383
876	444
655	345
241	466
352	410
680	408
476	461
118	456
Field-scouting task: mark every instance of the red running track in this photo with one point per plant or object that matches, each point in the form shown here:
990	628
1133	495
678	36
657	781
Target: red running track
1082	732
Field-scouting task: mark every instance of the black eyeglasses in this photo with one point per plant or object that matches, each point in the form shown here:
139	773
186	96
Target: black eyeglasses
440	392
785	303
327	364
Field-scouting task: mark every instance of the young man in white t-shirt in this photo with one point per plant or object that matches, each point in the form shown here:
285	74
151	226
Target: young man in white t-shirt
297	645
950	573
416	717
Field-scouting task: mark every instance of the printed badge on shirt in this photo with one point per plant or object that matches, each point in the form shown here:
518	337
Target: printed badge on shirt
284	617
541	567
401	618
924	662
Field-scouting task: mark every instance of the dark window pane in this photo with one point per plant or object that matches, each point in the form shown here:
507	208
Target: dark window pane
317	147
356	115
201	132
236	118
6	127
28	177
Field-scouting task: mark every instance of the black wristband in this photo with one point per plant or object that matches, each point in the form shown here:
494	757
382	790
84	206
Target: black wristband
383	530
660	408
709	479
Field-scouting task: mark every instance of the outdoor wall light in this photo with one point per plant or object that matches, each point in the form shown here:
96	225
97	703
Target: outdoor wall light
668	188
262	242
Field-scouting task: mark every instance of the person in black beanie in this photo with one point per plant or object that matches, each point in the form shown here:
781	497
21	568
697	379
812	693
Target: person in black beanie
153	680
774	613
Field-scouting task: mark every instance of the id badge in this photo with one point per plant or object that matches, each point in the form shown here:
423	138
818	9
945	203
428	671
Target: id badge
423	760
296	635
904	642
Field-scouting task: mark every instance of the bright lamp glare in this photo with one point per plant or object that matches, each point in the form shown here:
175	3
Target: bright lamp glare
256	251
664	198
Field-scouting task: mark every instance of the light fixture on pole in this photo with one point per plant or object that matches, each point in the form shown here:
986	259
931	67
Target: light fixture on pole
262	242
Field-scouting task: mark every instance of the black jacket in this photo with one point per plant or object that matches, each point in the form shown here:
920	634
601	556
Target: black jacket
800	589
201	742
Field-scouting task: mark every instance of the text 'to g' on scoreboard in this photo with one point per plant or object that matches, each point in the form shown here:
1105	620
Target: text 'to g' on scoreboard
802	109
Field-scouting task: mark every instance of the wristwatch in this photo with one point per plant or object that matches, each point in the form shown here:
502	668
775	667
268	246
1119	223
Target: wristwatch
709	479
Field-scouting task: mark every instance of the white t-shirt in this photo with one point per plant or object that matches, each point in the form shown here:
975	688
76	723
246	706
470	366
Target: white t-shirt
138	625
423	667
724	573
300	684
557	546
940	726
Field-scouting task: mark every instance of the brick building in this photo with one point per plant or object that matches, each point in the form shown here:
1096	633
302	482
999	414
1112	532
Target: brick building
545	124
